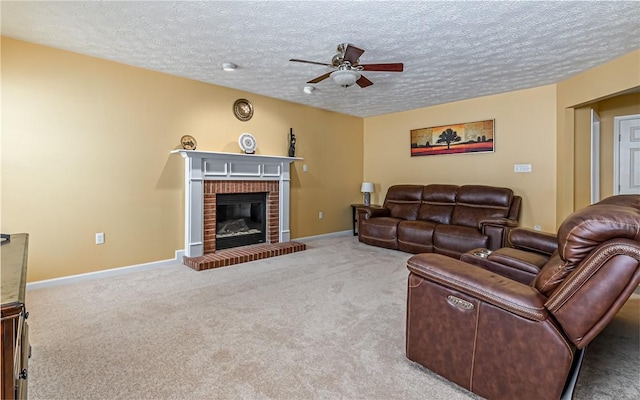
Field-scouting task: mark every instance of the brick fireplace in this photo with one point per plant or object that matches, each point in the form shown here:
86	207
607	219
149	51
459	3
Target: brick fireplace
213	188
208	174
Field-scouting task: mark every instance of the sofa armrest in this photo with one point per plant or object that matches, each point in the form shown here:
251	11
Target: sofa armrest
498	231
536	241
365	212
500	222
507	294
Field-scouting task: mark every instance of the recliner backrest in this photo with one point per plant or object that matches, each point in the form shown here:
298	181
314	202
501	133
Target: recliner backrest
596	267
437	203
403	201
582	232
475	203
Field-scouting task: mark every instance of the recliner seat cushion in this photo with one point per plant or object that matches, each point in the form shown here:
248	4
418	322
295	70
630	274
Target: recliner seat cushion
416	236
454	240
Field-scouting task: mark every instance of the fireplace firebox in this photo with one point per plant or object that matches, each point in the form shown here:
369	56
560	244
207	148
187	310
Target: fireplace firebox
240	219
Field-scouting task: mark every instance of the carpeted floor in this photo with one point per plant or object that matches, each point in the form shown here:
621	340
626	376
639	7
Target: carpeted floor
325	323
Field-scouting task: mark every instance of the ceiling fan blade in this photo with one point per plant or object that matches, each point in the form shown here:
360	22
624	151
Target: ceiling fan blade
311	62
352	53
363	82
320	78
395	67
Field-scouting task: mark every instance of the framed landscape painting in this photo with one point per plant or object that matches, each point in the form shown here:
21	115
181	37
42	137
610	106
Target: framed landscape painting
470	137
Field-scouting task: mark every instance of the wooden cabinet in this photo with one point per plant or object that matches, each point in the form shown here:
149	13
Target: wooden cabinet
14	357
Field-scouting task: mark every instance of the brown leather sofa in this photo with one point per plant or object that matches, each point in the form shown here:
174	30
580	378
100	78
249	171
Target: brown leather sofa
445	219
504	339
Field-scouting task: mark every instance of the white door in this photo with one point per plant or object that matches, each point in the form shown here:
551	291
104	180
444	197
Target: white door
595	157
627	155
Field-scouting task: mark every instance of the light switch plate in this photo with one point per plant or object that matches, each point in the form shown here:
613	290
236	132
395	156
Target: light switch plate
521	167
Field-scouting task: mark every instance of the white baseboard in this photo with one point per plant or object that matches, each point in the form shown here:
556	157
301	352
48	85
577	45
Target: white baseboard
324	236
65	280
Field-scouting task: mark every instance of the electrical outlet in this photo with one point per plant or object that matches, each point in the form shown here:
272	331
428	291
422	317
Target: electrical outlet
521	167
320	215
537	228
100	238
304	168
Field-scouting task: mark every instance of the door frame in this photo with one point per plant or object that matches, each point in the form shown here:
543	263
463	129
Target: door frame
595	157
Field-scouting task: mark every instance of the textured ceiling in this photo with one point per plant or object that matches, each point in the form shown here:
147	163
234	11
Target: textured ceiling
450	50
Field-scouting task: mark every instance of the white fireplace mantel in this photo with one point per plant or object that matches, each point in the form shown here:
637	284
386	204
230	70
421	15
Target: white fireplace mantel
218	166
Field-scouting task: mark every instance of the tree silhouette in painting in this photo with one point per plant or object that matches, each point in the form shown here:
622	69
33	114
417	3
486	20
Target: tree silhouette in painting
449	136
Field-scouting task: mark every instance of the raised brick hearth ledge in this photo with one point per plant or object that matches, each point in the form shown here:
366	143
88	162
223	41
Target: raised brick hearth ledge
237	255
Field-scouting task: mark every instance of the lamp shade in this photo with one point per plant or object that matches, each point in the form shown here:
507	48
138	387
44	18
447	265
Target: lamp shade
367	187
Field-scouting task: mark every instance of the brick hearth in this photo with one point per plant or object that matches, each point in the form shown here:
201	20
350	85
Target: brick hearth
237	255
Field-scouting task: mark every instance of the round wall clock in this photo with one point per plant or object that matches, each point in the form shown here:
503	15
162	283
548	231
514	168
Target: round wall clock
247	143
243	109
188	142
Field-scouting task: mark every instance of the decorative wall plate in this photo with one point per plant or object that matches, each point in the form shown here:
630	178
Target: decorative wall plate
188	142
247	143
243	109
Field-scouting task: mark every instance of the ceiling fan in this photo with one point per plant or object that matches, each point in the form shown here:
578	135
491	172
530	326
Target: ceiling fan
347	67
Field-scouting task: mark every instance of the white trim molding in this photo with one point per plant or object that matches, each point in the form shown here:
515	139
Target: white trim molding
218	166
66	280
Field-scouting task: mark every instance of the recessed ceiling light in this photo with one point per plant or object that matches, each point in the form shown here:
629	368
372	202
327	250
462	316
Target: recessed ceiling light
227	66
308	89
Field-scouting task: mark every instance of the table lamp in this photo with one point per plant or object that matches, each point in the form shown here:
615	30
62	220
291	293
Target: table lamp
367	189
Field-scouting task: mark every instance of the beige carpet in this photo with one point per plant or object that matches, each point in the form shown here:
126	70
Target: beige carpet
326	323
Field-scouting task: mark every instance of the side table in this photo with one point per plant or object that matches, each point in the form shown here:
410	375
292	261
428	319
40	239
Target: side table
354	215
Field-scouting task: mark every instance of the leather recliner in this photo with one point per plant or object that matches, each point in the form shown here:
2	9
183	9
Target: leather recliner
502	338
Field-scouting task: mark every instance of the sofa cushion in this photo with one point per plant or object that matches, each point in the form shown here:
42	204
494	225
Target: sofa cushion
475	203
416	236
403	201
454	240
437	203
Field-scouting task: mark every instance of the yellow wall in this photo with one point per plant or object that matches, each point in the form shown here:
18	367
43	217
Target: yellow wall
524	133
582	154
525	128
85	149
598	83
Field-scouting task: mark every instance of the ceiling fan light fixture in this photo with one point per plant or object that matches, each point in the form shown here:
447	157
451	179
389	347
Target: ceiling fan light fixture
345	77
227	66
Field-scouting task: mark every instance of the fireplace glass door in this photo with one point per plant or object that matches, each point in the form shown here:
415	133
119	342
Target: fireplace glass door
240	219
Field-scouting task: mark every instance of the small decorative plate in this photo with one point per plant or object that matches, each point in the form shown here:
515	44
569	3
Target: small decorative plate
188	142
243	109
247	143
